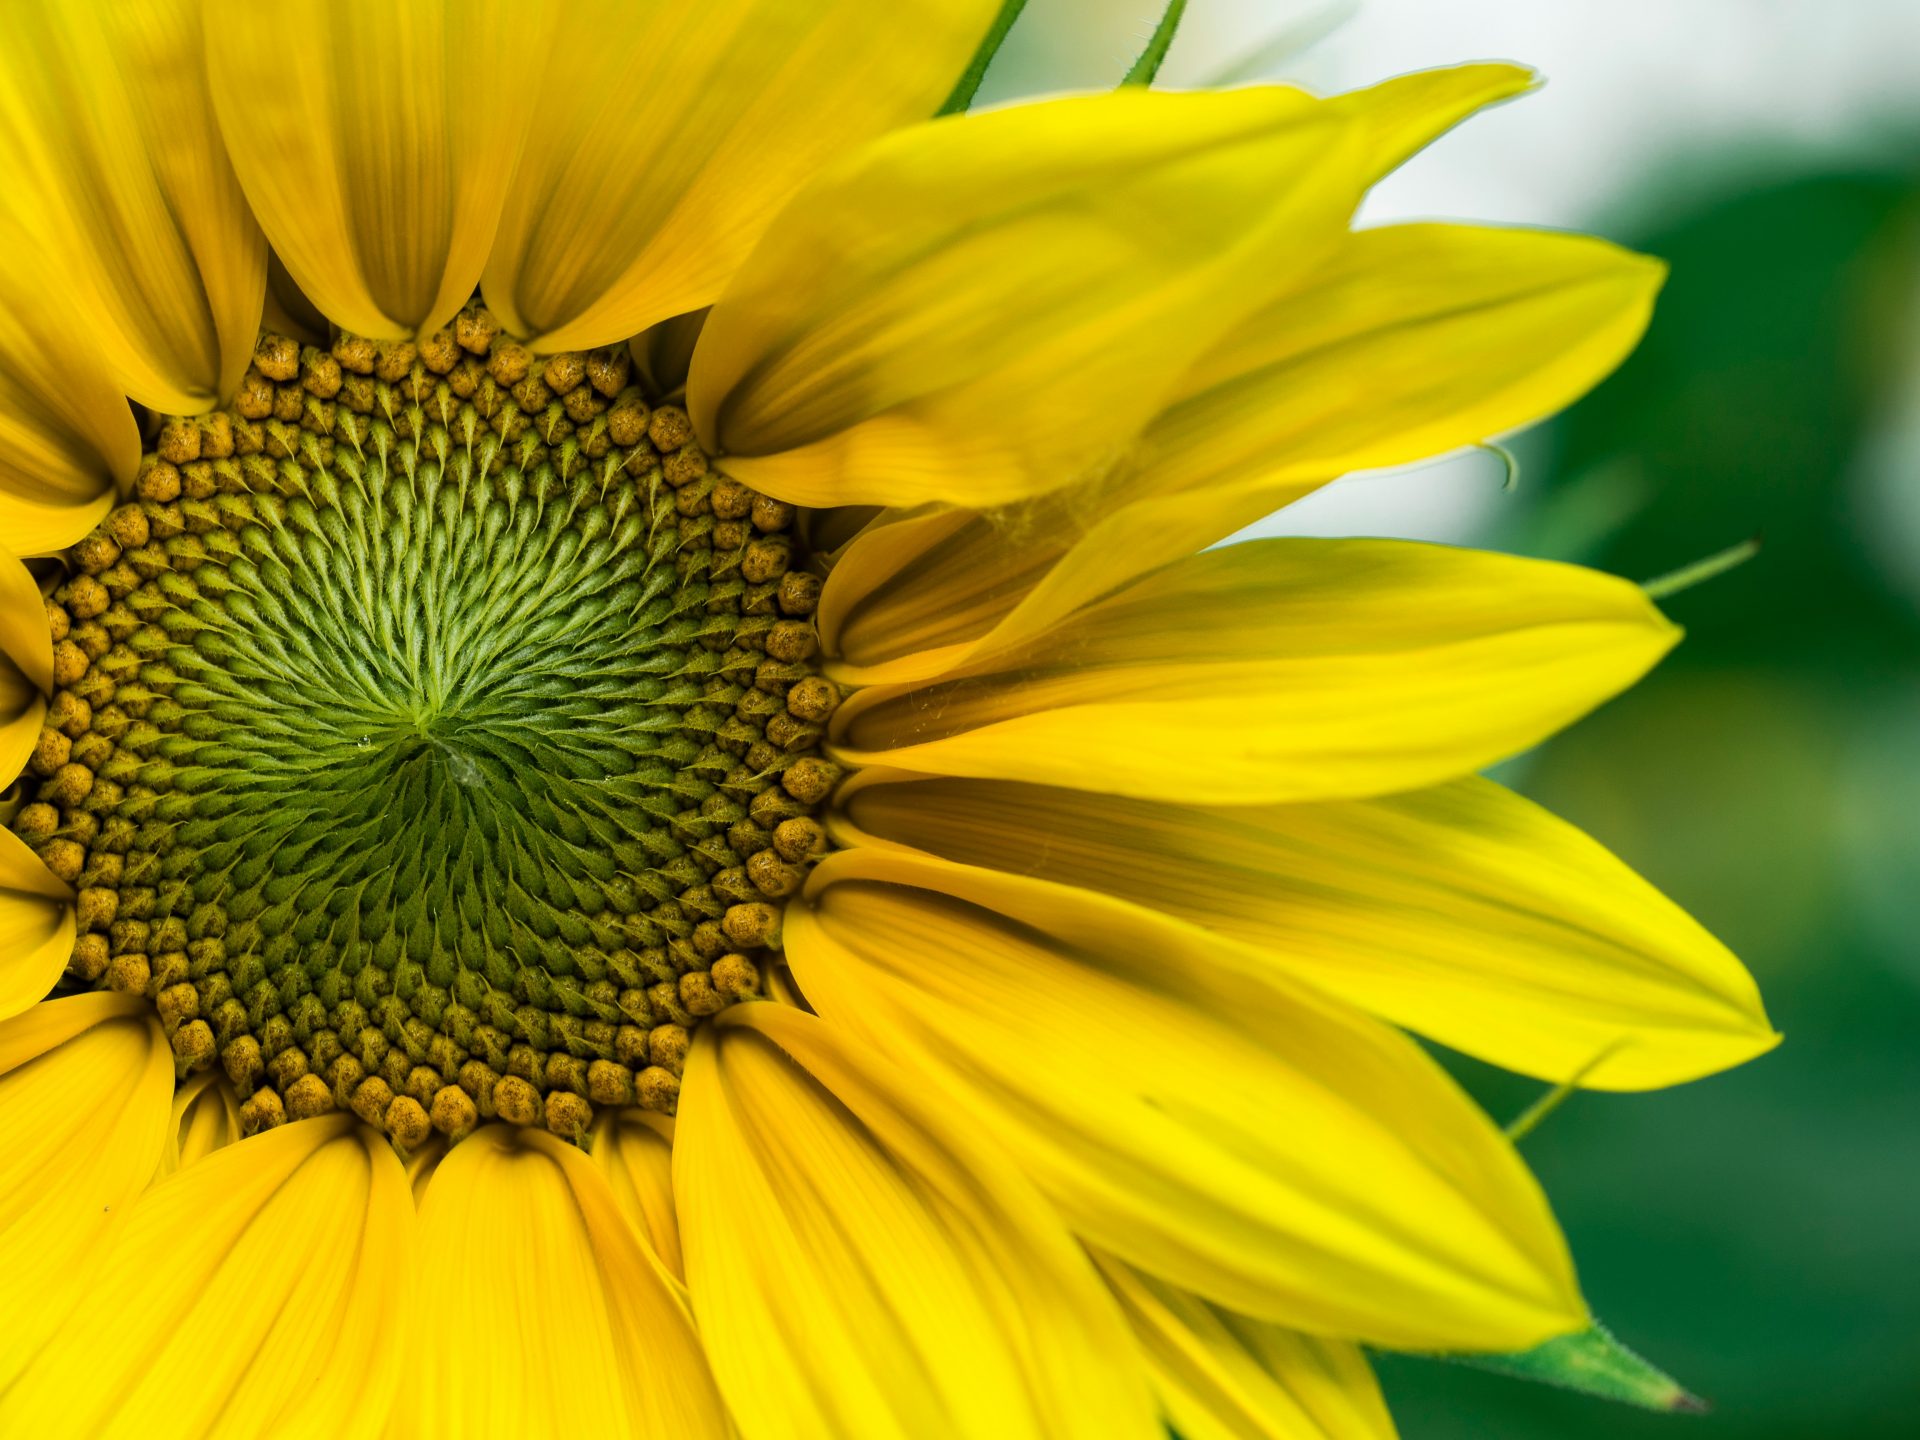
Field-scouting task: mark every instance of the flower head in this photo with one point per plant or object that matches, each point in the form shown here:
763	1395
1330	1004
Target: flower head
641	808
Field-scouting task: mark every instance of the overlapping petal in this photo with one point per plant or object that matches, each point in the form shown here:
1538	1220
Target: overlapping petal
1281	670
115	165
1239	1136
666	137
26	645
264	1290
1458	331
1405	113
206	1118
993	305
562	1314
376	143
634	1149
1221	1376
36	926
860	1266
67	434
26	666
1463	912
1409	341
84	1084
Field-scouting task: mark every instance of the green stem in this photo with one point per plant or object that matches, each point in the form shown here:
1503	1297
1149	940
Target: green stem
976	71
1701	571
1151	58
1528	1120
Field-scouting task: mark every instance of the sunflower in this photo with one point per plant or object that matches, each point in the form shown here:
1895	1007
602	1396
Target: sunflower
642	808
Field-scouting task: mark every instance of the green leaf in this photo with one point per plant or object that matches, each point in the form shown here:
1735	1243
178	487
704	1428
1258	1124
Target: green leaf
1594	1363
1151	58
976	71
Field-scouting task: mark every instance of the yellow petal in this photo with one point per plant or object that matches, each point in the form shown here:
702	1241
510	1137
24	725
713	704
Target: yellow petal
22	709
992	305
264	1290
860	1267
376	143
1408	112
40	527
67	434
666	137
896	591
1221	1376
289	309
1251	1141
422	1164
123	177
26	667
84	1084
935	598
25	642
1281	670
635	1150
206	1118
1409	341
662	354
562	1315
1462	912
1460	332
36	926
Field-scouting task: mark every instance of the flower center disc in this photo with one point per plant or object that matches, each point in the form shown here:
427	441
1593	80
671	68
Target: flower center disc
431	736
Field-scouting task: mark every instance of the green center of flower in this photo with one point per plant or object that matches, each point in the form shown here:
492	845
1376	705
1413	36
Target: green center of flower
432	737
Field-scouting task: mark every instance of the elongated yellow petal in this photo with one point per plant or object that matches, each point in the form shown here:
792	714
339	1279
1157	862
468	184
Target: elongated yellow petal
860	1267
206	1118
1409	112
290	310
40	527
563	1315
422	1164
1459	331
124	182
1249	1140
26	667
22	708
1282	670
25	642
888	599
634	1148
1221	1376
662	354
667	136
992	306
36	927
265	1289
1462	912
376	143
84	1084
67	434
1409	341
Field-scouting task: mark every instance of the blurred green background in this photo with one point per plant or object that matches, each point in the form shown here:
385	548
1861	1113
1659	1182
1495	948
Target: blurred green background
1757	1234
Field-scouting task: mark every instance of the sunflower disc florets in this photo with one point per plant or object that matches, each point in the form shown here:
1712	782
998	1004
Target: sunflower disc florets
433	736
